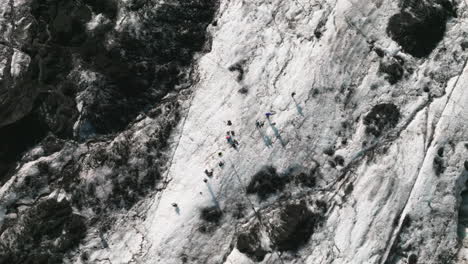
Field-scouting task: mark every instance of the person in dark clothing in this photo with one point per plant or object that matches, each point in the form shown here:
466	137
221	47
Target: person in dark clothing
229	123
293	94
231	142
232	133
259	124
221	164
208	173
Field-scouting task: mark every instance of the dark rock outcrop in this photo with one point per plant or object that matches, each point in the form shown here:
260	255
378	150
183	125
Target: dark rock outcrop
42	234
420	25
265	182
132	74
249	243
392	69
381	117
211	214
295	226
75	81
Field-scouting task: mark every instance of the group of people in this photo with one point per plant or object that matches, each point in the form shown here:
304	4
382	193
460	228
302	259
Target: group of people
234	143
229	136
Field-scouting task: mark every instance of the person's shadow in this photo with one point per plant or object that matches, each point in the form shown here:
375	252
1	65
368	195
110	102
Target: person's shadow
213	196
266	139
277	133
298	107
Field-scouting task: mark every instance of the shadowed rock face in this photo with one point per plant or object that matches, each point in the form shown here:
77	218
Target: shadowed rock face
19	140
138	69
249	243
43	234
463	218
142	65
83	70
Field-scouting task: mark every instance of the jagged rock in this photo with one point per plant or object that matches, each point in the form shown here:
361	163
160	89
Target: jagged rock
305	179
420	25
339	160
211	214
438	165
43	234
295	225
392	68
412	259
329	151
239	211
301	177
380	118
265	182
17	139
249	243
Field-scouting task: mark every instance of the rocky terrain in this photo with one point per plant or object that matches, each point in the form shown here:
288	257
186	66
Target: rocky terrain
233	131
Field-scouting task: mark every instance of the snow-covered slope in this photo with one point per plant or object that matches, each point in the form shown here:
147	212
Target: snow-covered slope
363	159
